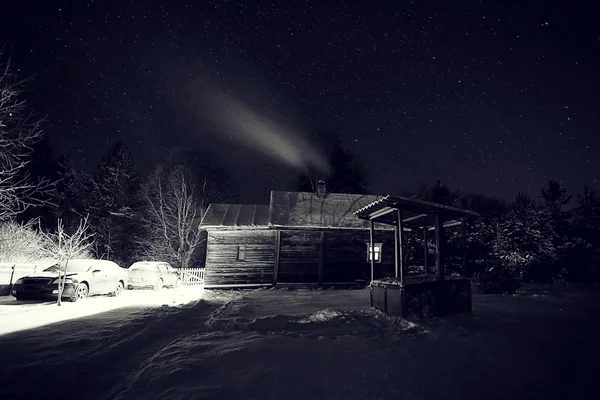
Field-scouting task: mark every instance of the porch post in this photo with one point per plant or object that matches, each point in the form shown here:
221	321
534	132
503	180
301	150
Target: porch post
396	249
372	248
425	251
439	246
321	257
463	228
399	251
277	254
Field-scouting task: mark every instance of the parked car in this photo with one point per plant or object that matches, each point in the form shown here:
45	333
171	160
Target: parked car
152	274
84	277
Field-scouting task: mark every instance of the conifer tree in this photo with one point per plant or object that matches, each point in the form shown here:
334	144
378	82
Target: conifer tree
114	205
70	194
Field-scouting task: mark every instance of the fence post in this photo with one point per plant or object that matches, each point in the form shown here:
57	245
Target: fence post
12	274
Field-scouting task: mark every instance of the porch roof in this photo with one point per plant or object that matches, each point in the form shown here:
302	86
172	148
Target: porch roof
416	214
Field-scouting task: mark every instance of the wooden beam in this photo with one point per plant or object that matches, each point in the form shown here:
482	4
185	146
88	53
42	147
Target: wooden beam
396	250
414	217
321	257
464	248
425	250
372	248
448	224
389	210
277	247
381	213
432	207
439	246
393	223
400	249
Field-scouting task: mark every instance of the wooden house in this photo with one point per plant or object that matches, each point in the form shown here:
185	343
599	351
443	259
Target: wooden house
298	238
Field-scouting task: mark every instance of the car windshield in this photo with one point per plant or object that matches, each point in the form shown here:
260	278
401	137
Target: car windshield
72	266
143	267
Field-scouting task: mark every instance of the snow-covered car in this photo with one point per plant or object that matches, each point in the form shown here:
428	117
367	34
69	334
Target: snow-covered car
84	277
152	274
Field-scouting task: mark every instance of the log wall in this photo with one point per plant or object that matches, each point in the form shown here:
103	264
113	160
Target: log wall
222	266
346	255
299	256
304	256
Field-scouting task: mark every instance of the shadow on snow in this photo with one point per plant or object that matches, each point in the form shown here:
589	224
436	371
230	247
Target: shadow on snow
275	344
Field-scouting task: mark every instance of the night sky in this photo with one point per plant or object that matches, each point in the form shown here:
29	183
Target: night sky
488	96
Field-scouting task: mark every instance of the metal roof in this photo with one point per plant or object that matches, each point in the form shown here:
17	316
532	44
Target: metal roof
236	215
335	210
416	214
305	209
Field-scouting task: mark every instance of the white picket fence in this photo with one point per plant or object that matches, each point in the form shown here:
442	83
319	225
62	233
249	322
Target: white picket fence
10	272
191	276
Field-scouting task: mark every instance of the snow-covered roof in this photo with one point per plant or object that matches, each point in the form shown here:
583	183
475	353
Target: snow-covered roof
292	209
305	209
334	210
236	215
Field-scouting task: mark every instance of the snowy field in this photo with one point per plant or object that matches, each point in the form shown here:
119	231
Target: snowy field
279	344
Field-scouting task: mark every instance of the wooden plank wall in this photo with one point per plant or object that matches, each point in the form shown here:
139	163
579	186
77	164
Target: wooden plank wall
346	255
299	256
222	266
305	256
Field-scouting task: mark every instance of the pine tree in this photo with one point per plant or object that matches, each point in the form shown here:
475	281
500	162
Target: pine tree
555	196
523	202
525	239
114	205
70	194
581	252
439	193
484	205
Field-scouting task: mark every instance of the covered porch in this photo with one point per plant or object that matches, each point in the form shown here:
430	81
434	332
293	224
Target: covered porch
401	295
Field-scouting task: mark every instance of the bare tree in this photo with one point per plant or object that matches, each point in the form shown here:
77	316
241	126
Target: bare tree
18	132
176	208
20	242
64	247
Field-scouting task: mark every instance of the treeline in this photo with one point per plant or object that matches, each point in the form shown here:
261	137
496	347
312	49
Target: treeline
552	238
131	217
119	214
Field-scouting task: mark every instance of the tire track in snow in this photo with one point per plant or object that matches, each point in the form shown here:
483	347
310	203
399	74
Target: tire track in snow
90	356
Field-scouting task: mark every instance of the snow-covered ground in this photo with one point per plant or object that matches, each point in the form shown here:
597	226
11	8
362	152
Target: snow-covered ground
274	344
17	316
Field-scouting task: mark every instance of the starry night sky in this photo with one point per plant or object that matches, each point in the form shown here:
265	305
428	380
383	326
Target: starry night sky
488	96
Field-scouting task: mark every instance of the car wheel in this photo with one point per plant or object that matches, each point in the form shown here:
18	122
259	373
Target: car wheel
118	290
80	293
177	283
159	284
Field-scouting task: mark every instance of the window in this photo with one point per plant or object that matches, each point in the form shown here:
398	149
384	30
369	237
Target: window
377	251
241	252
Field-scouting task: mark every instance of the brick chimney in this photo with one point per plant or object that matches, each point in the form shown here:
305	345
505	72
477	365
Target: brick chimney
321	188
